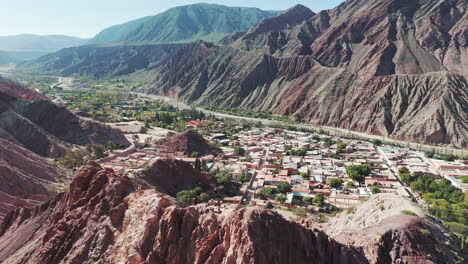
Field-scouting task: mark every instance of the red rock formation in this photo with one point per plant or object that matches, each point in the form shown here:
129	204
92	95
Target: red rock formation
188	142
29	119
172	176
26	179
103	219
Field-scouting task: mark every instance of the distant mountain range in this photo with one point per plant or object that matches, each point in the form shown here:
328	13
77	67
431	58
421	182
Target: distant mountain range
18	48
184	24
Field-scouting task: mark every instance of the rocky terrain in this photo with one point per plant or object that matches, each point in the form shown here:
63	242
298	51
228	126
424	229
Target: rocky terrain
381	225
26	179
188	142
392	68
171	176
107	218
31	120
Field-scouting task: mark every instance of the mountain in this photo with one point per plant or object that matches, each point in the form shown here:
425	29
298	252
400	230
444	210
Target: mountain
14	49
31	120
184	24
26	179
392	68
98	61
118	32
107	218
38	43
188	142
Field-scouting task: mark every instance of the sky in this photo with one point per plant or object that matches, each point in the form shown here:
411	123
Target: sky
85	18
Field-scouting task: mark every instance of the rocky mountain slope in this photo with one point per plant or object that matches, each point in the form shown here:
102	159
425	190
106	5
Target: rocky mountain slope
184	24
106	218
171	176
392	67
31	120
188	142
26	179
98	61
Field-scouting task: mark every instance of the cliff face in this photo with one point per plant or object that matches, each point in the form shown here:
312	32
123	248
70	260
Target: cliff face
26	179
105	218
29	119
402	65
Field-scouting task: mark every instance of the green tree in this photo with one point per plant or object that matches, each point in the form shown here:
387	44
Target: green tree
350	184
319	200
283	187
266	192
335	183
239	151
223	177
194	155
280	198
358	172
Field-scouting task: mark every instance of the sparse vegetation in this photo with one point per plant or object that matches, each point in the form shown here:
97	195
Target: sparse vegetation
408	212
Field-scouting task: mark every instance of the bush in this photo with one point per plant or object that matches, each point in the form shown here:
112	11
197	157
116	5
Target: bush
375	189
425	232
464	179
457	228
300	212
408	212
306	201
319	200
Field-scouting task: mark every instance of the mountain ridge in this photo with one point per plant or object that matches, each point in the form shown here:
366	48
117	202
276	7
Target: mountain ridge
209	22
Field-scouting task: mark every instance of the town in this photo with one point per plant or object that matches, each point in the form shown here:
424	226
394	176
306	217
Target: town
294	169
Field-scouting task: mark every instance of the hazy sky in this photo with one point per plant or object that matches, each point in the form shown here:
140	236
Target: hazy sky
85	18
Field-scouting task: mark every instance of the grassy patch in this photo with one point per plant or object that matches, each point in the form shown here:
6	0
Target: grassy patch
408	212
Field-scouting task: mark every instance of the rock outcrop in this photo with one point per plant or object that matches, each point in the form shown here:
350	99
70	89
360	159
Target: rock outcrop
31	120
394	68
171	176
26	179
188	142
107	218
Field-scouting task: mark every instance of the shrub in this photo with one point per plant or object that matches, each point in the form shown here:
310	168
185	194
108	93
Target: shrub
306	201
408	212
375	189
